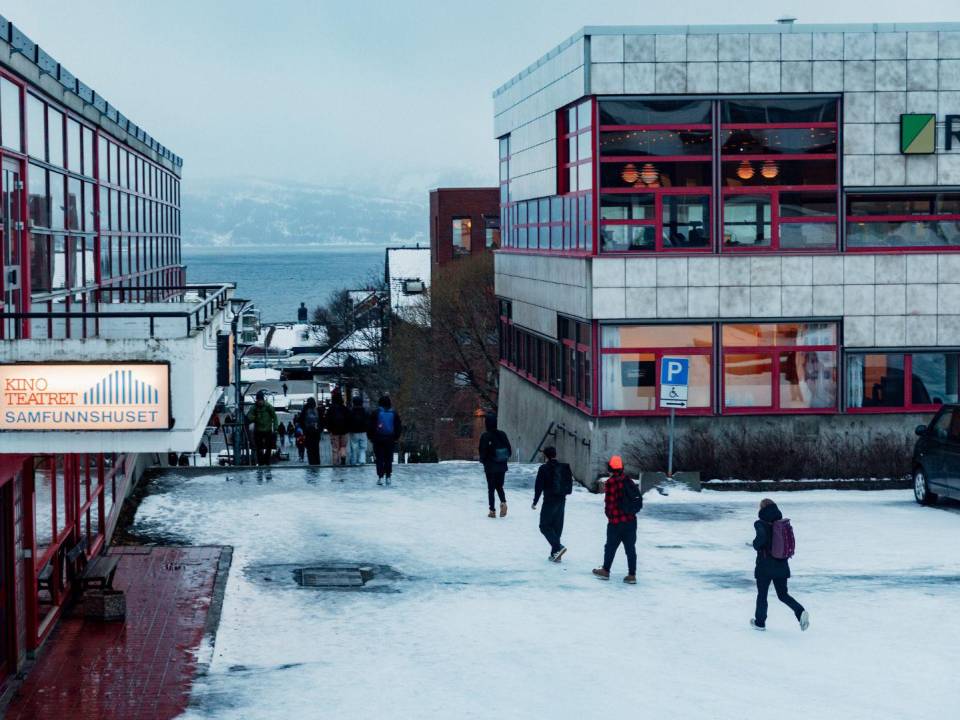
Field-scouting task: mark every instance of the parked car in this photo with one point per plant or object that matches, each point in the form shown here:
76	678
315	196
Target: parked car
936	457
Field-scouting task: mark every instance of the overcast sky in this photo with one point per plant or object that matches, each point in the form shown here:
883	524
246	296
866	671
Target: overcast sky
393	95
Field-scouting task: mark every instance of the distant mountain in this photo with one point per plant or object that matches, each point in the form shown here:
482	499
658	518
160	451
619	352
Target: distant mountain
248	212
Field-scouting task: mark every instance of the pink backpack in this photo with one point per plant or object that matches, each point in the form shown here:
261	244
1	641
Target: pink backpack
783	543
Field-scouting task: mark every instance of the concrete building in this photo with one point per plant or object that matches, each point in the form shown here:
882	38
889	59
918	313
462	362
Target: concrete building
778	203
107	359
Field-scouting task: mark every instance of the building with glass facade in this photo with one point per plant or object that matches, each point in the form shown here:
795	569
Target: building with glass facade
779	203
107	358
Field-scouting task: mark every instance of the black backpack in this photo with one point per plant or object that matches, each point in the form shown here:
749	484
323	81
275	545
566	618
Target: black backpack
500	446
561	484
631	499
311	419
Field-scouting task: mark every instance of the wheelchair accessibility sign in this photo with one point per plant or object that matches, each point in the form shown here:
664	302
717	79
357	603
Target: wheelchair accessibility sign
674	376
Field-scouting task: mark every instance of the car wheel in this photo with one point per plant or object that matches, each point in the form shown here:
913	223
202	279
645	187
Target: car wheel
921	491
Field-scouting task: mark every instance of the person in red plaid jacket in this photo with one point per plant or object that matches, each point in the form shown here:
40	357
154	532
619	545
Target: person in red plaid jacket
621	526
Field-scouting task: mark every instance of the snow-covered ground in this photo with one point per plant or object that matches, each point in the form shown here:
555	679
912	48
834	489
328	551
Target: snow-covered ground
477	623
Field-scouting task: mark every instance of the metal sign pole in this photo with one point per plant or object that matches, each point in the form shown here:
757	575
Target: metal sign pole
670	449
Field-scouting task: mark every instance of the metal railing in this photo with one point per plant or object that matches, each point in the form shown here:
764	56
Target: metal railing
212	299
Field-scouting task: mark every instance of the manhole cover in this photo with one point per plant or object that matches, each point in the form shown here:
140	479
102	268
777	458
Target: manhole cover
333	576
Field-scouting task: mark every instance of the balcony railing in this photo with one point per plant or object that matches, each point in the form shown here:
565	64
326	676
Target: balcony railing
186	309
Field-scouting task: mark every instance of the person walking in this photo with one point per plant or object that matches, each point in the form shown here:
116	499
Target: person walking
384	429
619	504
264	420
291	430
554	482
282	434
300	442
494	452
337	422
284	389
311	422
774	544
357	454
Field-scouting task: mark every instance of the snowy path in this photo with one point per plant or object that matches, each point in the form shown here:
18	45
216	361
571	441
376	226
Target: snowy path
481	625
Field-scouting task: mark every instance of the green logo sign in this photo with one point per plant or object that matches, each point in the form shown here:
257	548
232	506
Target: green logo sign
918	133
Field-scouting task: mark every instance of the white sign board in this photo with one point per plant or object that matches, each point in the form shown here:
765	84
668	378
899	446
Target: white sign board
674	374
85	396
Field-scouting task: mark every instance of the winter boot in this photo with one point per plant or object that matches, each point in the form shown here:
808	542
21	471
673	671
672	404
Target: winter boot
756	626
379	481
804	620
555	557
630	579
492	514
388	479
503	509
601	573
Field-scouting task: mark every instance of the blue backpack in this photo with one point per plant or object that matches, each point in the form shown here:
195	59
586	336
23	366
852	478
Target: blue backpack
385	423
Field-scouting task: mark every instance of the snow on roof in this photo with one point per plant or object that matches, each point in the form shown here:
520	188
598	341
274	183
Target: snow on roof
408	276
258	374
293	335
360	345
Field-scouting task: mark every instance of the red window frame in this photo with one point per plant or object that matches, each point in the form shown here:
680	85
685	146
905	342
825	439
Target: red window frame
659	353
908	404
564	135
774	191
897	218
773	352
657	192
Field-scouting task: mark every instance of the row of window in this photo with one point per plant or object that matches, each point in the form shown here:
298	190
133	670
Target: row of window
462	231
125	212
127	170
59	262
785	367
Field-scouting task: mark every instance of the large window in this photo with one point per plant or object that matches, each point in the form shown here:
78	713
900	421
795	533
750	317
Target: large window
913	219
630	365
786	367
575	148
655	174
461	230
920	381
10	115
576	358
779	173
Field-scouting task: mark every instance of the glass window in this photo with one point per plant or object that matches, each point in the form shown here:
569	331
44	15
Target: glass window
88	208
73	208
461	236
39	262
780	141
779	110
686	221
112	165
654	175
59	257
655	112
54	137
747	380
36	128
655	142
10	115
57	202
73	146
903	220
747	220
38	200
808	379
122	178
775	172
934	378
808	235
656	336
87	151
626	207
875	381
102	164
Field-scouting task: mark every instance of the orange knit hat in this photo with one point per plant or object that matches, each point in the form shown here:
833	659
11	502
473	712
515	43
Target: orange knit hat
616	463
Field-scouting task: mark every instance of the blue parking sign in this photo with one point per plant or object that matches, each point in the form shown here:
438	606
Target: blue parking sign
674	371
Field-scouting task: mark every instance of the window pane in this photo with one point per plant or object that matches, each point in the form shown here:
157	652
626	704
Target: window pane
629	382
686	221
808	204
778	141
934	380
461	236
73	145
808	235
746	220
39	262
927	233
626	207
56	201
36	133
87	152
10	114
625	238
779	110
113	165
748	380
584	146
88	209
875	381
38	201
583	114
656	336
585	176
757	173
779	334
654	112
808	379
59	256
655	174
54	137
656	142
72	207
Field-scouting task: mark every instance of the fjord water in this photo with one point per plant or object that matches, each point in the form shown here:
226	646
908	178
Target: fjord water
279	279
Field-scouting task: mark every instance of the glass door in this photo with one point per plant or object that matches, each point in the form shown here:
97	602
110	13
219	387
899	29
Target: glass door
11	229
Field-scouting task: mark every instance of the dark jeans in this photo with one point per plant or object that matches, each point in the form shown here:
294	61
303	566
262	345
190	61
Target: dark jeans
383	455
551	521
780	585
495	482
311	439
626	533
264	443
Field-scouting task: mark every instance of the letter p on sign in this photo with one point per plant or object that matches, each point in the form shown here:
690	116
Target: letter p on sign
674	371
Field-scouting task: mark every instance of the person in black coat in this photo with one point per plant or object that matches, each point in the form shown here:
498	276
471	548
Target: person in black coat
384	429
551	513
493	443
771	570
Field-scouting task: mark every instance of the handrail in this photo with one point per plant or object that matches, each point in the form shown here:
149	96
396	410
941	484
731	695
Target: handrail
536	452
195	317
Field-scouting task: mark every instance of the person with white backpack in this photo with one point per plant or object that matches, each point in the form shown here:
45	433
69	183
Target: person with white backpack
775	545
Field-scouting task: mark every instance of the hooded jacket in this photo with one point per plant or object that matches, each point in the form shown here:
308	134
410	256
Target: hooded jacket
768	566
489	442
358	417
